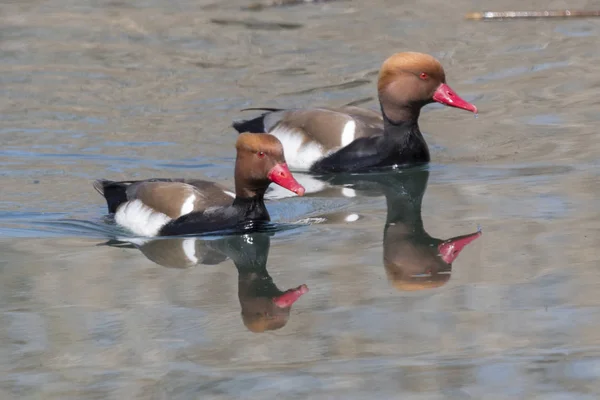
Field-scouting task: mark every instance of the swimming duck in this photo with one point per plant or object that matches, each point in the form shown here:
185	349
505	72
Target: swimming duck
165	207
352	139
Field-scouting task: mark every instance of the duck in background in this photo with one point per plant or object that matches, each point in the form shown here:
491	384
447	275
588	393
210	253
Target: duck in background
352	139
167	207
264	307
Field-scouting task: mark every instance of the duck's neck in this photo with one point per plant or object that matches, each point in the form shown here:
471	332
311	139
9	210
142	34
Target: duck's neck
399	114
400	121
251	208
401	127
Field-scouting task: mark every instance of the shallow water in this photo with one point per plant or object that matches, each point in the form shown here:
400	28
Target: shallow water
121	91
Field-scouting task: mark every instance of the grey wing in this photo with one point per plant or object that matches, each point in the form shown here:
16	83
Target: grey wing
220	195
369	122
329	127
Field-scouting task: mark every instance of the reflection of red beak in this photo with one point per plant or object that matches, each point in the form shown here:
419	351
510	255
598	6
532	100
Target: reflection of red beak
281	175
445	95
290	296
451	248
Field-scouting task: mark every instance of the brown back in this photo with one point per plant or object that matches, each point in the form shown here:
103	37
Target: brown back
325	125
169	197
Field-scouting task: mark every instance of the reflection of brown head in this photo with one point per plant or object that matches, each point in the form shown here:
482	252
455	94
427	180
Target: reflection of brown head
266	313
420	262
410	283
267	317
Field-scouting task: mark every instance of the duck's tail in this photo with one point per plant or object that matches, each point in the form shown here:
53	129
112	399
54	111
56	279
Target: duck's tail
255	124
115	193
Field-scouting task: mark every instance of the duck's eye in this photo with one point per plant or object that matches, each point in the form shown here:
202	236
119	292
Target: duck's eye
423	75
261	154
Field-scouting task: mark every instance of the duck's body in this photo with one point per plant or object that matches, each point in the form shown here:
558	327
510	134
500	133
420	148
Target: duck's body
175	197
365	140
175	207
352	139
166	207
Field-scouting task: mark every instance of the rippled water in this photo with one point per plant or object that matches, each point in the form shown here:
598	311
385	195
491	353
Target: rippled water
126	90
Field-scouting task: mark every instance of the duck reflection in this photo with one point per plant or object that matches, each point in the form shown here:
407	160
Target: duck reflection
264	306
413	259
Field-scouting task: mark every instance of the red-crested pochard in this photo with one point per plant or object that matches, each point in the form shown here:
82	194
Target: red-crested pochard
352	139
165	207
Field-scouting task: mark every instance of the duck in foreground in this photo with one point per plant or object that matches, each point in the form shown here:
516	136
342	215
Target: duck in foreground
166	207
352	139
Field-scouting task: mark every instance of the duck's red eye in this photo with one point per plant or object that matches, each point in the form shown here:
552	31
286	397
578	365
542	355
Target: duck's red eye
261	154
423	75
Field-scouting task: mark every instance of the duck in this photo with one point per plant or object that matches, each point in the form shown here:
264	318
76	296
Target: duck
168	207
352	139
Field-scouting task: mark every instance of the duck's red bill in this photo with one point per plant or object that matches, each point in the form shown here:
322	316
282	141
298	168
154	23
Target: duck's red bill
290	296
446	95
451	248
281	175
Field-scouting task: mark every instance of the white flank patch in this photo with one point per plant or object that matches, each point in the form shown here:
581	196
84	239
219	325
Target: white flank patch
228	193
140	219
188	204
348	133
311	185
352	217
189	248
298	156
347	192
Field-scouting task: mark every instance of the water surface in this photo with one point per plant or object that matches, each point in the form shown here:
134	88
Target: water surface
121	91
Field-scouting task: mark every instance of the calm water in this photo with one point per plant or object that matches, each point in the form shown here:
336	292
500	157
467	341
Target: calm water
123	90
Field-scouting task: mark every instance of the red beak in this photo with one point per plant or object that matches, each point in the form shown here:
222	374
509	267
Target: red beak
290	296
445	95
281	175
451	248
